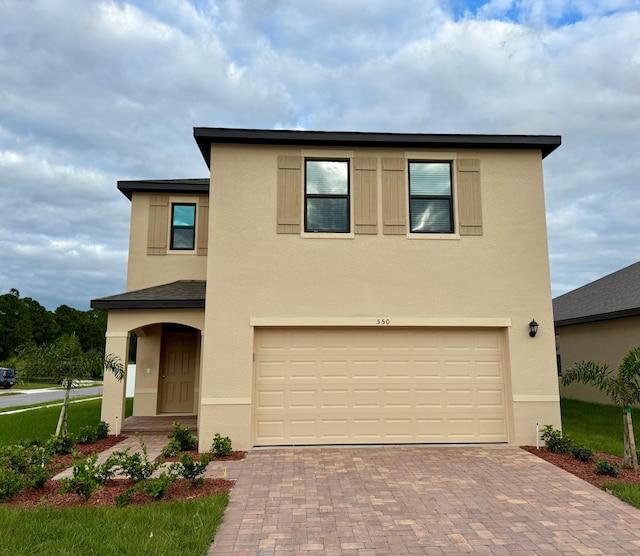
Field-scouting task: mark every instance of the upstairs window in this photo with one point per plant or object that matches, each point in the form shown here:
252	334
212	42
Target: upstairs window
326	196
430	197
183	226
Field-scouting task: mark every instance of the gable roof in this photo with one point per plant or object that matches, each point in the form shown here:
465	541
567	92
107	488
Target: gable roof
182	294
614	296
191	185
204	136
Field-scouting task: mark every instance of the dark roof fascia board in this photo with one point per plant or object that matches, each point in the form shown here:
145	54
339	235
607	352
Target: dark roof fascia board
634	312
197	186
205	136
147	304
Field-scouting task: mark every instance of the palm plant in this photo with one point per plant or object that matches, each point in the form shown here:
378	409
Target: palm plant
622	387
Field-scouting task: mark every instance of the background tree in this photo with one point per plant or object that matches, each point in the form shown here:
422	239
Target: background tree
622	387
65	362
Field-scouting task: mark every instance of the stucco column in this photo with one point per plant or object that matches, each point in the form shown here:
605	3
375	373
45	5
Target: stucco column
114	391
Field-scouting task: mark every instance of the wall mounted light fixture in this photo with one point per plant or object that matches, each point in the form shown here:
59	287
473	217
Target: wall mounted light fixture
533	328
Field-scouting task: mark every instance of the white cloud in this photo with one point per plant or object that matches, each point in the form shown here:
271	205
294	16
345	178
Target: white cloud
93	92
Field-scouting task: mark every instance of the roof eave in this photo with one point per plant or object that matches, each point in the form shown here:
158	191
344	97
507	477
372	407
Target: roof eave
633	312
205	136
147	304
127	187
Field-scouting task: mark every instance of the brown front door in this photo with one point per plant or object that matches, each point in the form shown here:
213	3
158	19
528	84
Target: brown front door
177	373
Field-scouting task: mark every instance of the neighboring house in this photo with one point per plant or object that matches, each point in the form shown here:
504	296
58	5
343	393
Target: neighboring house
361	288
598	322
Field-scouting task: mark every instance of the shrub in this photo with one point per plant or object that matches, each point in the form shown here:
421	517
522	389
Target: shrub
86	435
191	470
136	466
159	486
221	446
581	452
11	482
102	430
554	441
171	449
603	467
88	475
60	445
183	437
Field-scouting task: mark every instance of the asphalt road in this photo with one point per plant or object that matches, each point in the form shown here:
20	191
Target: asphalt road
42	396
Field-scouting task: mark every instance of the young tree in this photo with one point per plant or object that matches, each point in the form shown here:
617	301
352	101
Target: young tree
64	362
622	387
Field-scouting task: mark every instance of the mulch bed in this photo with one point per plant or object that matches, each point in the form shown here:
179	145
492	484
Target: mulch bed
233	456
48	495
586	470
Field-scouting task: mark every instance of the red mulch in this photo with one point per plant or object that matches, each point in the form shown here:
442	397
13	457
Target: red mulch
233	456
48	495
586	470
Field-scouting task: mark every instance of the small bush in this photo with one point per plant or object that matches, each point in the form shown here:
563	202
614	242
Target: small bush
581	452
191	470
86	435
102	430
603	467
88	476
60	445
221	446
172	449
136	466
159	486
183	437
554	441
11	482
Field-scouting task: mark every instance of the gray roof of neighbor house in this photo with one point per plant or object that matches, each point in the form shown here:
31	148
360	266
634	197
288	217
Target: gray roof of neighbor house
614	296
183	294
192	185
204	136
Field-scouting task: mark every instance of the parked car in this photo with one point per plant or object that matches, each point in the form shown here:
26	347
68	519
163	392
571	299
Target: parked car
7	377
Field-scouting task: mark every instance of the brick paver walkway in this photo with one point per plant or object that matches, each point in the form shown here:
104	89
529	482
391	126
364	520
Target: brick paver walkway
418	500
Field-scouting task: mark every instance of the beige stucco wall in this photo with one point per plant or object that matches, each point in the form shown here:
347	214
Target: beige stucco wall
252	272
605	342
147	324
144	270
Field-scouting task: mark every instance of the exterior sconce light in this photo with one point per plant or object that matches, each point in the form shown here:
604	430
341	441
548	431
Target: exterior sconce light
533	328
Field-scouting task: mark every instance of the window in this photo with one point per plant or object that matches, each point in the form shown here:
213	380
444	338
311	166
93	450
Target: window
326	196
430	197
183	226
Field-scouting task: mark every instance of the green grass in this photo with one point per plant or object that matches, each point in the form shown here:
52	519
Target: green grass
597	426
185	527
41	423
629	493
35	385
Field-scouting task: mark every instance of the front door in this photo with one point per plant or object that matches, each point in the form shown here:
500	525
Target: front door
177	373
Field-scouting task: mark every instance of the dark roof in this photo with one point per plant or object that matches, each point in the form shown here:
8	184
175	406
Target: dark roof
194	185
204	136
183	294
614	296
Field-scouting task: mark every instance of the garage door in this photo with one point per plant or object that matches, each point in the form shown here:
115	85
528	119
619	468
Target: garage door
378	385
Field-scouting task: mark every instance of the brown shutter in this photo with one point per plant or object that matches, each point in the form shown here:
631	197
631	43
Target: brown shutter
394	204
158	225
365	195
469	204
202	222
289	194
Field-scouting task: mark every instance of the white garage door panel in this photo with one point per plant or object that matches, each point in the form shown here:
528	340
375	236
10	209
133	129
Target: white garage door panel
315	386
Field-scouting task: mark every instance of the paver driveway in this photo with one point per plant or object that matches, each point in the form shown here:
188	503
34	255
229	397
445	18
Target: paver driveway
419	500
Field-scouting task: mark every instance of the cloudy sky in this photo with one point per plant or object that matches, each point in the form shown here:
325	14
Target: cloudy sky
94	91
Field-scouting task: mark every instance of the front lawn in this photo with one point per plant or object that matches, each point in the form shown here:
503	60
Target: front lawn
41	423
184	527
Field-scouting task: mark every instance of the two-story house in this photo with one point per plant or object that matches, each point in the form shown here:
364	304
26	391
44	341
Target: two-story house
343	288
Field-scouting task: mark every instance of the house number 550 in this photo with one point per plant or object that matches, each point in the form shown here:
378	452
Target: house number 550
383	322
